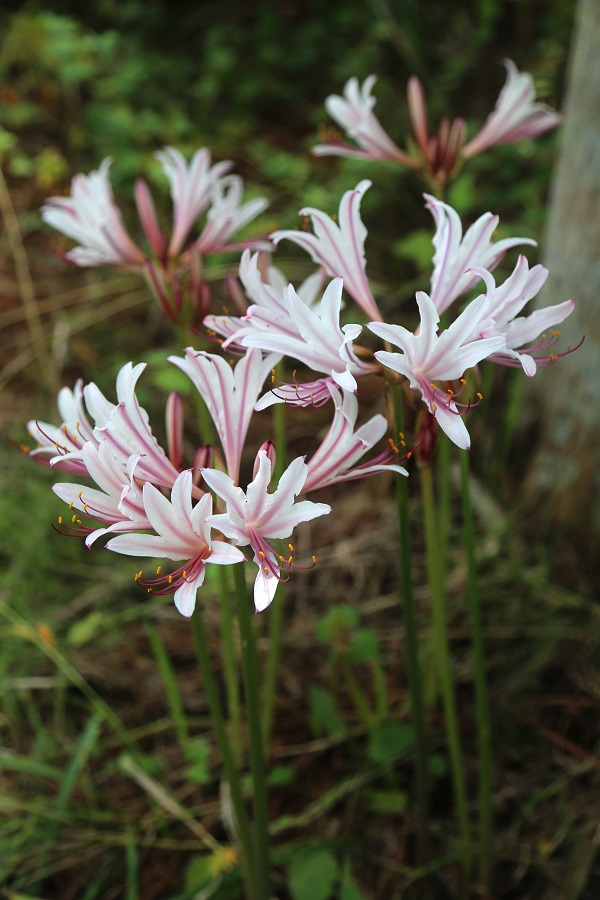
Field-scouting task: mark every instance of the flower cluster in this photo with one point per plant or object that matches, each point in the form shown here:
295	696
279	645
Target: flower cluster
515	117
198	189
144	499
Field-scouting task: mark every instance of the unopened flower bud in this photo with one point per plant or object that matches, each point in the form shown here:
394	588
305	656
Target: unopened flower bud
269	449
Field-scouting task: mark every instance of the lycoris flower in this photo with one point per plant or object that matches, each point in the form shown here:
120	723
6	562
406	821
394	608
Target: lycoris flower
191	186
336	458
254	517
124	426
268	298
66	439
117	505
339	247
229	393
314	337
182	533
457	256
428	357
506	302
354	113
516	115
91	218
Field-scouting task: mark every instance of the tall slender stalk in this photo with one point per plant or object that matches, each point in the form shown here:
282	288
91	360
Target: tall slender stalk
278	607
440	632
257	756
230	664
484	731
231	773
411	642
444	448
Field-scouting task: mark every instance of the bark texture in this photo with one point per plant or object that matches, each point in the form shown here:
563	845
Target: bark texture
565	475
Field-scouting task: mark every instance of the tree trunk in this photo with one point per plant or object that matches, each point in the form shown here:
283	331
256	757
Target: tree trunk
564	477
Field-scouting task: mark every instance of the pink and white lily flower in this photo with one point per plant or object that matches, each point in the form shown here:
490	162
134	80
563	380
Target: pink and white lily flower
61	446
66	439
457	256
118	503
254	517
268	296
91	217
320	343
343	447
229	393
506	302
516	115
191	186
428	357
227	214
339	246
182	533
126	428
354	113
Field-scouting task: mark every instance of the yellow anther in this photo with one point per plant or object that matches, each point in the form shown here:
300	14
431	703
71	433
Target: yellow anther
60	520
148	590
291	548
479	396
85	506
433	386
434	407
71	505
73	519
281	559
184	574
463	380
79	521
170	579
290	558
261	554
314	559
158	568
266	570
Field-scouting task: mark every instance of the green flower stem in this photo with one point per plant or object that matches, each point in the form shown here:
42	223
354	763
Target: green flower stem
484	731
230	664
440	634
277	608
170	682
257	756
444	459
231	772
411	642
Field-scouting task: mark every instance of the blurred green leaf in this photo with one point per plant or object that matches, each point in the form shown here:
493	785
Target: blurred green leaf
324	715
364	646
389	740
312	875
